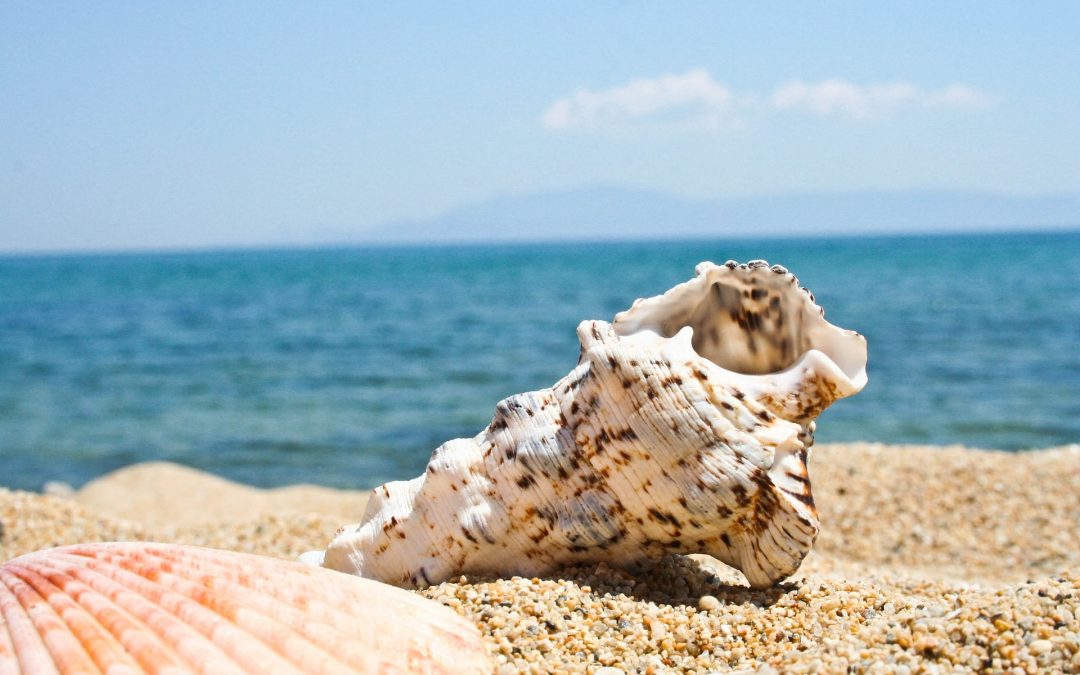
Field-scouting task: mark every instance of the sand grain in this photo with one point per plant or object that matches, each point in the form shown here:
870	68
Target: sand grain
929	560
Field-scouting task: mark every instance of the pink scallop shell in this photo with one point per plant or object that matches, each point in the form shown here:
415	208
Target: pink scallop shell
163	608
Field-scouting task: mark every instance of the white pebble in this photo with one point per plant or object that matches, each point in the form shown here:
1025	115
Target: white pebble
1041	646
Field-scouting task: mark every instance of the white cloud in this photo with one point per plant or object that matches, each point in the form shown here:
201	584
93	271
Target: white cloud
694	101
959	96
858	102
839	97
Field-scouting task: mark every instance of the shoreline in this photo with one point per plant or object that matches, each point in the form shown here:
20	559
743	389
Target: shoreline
928	556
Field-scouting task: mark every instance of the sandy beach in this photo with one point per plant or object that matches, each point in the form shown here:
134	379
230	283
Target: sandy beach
929	560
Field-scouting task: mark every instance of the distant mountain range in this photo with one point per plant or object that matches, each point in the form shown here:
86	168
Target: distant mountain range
624	213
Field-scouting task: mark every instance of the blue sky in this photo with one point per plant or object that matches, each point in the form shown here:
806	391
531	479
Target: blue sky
144	125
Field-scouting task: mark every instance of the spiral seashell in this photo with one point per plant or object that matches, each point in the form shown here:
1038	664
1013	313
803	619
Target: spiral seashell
157	608
684	428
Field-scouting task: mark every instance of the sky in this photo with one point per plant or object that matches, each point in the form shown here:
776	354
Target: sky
162	125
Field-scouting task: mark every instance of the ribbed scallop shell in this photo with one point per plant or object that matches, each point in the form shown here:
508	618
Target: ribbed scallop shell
161	608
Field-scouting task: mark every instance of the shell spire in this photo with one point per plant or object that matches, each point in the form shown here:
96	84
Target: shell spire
685	427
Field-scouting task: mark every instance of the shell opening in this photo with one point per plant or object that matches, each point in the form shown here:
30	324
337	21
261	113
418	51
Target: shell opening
749	319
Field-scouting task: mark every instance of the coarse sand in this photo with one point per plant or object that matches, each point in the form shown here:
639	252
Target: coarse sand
930	559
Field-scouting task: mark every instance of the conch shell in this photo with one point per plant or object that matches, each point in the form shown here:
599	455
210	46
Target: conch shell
161	608
684	428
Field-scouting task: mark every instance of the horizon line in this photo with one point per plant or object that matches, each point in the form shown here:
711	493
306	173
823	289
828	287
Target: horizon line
388	243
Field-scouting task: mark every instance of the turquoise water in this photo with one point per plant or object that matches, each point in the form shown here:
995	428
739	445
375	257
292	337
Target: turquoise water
347	367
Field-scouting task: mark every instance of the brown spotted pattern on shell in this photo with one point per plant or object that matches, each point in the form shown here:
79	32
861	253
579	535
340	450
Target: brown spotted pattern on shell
160	608
684	428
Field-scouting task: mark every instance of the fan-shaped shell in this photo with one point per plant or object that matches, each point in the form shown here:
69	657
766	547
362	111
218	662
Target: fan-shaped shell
157	608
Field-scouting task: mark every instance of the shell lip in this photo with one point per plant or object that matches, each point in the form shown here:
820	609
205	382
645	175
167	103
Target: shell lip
845	366
851	383
845	350
629	320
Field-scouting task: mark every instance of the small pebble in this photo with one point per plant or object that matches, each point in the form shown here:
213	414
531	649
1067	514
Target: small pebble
1041	646
56	488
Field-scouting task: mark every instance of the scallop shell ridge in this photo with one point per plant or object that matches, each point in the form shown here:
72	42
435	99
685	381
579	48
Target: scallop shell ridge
137	607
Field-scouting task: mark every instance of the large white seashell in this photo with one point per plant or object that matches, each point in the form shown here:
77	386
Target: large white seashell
133	608
684	428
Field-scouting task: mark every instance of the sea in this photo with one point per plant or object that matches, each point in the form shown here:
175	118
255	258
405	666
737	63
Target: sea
348	366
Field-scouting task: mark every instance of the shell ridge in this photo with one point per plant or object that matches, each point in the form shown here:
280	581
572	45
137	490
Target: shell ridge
259	614
521	451
146	646
54	642
507	478
9	660
317	622
650	420
154	584
85	609
588	513
255	567
791	506
162	625
29	650
97	641
522	437
446	626
788	554
771	509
